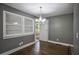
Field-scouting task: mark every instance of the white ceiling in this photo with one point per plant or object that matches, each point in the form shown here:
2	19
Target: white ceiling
48	9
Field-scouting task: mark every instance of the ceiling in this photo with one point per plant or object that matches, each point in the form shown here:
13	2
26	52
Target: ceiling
48	9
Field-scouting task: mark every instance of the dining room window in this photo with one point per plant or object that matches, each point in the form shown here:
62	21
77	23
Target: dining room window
15	25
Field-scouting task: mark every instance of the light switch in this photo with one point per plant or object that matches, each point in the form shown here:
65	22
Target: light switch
77	35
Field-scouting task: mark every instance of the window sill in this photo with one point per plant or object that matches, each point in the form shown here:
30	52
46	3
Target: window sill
17	35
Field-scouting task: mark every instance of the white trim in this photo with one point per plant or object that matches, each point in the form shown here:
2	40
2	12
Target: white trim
4	24
12	13
23	25
44	40
34	30
64	44
33	25
47	29
16	49
18	35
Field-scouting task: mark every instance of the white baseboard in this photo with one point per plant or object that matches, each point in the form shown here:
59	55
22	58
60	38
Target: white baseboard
44	40
16	49
64	44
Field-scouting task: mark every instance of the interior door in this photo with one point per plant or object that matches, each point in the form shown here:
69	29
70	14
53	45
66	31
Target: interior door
44	31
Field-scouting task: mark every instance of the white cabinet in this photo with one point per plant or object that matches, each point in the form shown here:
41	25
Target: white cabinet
15	25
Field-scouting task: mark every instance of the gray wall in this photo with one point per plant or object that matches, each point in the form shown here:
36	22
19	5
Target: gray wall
76	29
8	44
61	27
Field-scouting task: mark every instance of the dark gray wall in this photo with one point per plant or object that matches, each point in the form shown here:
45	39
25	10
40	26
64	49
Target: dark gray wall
76	29
8	44
61	27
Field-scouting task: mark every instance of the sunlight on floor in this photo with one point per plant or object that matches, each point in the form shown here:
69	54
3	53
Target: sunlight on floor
37	47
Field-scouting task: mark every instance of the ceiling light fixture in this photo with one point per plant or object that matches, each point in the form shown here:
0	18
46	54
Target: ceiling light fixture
41	18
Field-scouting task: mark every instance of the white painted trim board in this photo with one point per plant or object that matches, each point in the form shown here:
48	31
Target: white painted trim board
16	49
64	44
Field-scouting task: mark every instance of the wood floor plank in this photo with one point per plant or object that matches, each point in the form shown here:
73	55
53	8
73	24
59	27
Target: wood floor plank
44	48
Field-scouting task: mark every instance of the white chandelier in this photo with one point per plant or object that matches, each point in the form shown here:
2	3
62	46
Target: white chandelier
41	19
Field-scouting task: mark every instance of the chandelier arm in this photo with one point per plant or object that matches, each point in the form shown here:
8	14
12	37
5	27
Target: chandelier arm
41	17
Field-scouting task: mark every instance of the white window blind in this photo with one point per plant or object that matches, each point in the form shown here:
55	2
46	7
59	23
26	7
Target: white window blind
15	25
28	25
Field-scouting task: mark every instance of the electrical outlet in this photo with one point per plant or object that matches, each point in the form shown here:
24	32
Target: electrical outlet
20	43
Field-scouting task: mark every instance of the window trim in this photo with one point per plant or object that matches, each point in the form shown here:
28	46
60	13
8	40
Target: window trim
5	36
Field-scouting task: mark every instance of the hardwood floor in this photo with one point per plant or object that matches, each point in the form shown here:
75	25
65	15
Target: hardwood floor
44	48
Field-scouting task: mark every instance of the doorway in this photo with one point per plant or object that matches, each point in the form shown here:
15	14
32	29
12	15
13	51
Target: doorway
37	29
41	30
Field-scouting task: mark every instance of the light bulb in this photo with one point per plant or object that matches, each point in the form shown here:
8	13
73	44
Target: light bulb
44	20
40	19
36	20
15	23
